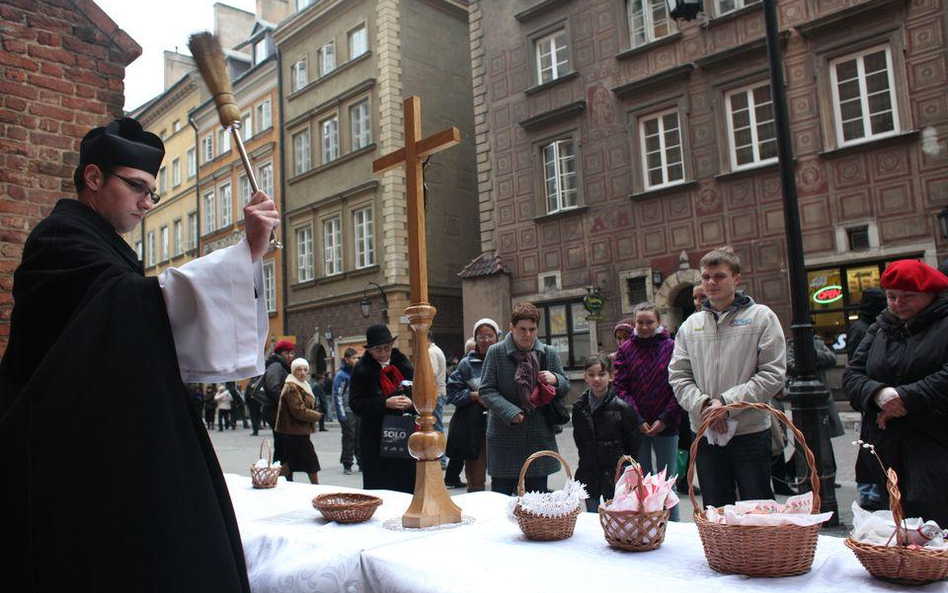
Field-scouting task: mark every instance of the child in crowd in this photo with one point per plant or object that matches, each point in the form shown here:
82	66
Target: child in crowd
604	429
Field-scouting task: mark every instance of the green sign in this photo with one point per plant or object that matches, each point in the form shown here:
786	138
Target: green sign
595	317
593	302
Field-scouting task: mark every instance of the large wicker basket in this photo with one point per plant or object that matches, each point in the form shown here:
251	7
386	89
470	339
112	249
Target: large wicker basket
265	477
758	551
629	530
537	527
900	564
346	507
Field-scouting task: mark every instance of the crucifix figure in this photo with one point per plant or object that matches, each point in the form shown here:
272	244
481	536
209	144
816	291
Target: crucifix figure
431	504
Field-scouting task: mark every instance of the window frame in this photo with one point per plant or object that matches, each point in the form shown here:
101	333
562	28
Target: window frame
859	56
162	180
643	153
558	175
738	5
263	114
302	147
246	123
192	162
365	138
266	188
210	210
574	360
648	25
304	267
192	230
331	152
225	204
332	242
165	233
269	285
139	249
176	172
551	34
150	249
365	245
748	91
299	76
364	29
223	141
178	237
207	148
331	45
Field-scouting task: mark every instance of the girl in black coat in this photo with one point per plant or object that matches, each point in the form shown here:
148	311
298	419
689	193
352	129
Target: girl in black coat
604	429
371	402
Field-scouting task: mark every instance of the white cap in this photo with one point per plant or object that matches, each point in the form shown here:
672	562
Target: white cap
486	321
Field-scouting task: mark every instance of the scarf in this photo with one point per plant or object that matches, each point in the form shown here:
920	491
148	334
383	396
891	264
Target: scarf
532	393
301	384
389	379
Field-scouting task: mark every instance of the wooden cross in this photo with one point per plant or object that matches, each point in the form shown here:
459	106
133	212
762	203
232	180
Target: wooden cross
431	504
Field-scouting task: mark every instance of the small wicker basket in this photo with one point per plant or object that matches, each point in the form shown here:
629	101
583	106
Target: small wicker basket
900	564
346	507
630	530
537	527
757	551
265	477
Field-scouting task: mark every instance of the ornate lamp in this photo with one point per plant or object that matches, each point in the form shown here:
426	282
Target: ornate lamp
684	10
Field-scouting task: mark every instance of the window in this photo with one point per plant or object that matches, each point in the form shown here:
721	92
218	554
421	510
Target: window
178	238
163	134
648	21
243	186
304	254
638	289
327	58
264	116
559	167
858	238
552	61
564	327
726	6
207	148
864	96
176	172
358	42
301	4
361	125
192	230
246	124
332	246
226	205
165	243
260	51
209	212
150	252
138	250
298	76
751	128
269	286
223	141
265	179
175	126
364	240
192	163
162	180
330	139
301	152
661	150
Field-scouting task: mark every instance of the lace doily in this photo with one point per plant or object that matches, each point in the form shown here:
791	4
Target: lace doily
396	525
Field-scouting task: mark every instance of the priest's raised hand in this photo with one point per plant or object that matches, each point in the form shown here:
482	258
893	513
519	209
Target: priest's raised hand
260	217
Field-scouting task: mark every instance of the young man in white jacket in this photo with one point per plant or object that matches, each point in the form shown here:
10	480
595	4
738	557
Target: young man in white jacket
733	350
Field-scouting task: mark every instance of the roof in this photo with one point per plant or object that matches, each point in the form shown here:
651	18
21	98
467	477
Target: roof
104	23
485	264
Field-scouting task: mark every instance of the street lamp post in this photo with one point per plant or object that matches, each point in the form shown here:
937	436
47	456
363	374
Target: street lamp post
808	396
365	305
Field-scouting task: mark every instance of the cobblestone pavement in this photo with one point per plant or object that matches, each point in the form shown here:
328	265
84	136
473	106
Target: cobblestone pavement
237	449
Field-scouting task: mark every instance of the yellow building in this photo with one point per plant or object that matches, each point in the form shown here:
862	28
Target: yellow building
168	236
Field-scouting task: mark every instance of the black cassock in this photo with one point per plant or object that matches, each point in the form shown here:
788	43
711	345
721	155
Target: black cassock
109	480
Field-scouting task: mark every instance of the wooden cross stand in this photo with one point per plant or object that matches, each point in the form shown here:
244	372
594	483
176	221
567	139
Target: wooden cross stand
431	504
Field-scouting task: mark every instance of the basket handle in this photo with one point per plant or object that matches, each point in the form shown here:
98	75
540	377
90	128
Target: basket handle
269	457
638	469
534	457
721	411
895	505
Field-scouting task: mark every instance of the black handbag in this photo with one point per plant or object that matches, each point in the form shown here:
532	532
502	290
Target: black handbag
395	433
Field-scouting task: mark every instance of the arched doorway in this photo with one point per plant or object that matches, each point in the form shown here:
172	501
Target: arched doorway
318	360
674	297
685	303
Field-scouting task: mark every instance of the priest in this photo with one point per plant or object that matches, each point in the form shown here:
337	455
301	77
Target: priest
110	481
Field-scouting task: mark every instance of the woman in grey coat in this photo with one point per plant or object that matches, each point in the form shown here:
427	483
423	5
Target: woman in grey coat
521	382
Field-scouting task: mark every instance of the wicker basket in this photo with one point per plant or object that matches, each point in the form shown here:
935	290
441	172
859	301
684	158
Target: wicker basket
900	564
758	551
265	477
346	507
629	530
538	527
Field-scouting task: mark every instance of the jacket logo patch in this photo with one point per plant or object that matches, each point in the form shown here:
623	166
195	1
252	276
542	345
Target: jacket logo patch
739	322
699	329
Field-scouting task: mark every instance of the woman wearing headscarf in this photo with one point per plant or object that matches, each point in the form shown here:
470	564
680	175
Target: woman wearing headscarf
898	379
295	420
373	394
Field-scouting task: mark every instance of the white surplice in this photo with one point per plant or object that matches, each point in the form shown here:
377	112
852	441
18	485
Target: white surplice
218	315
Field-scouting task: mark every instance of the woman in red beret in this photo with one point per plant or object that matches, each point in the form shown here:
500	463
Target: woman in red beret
898	379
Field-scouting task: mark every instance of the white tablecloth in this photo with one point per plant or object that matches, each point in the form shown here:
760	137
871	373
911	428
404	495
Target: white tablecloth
290	548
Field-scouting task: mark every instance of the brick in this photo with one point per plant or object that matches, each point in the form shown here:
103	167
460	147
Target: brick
110	97
10	221
16	133
75	45
51	140
74	130
85	77
87	62
116	84
86	119
59	113
85	92
51	53
15	192
79	104
53	84
45	22
14	103
49	125
111	68
51	69
48	38
14	46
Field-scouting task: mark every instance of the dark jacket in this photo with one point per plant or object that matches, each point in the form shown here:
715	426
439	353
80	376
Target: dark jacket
468	429
368	403
912	357
602	437
273	379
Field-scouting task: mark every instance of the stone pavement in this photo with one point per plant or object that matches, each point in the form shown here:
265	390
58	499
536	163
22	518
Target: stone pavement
237	449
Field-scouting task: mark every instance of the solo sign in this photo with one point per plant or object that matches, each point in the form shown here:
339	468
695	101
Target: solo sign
828	294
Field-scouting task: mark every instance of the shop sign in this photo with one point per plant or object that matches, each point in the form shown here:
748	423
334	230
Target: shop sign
594	302
828	294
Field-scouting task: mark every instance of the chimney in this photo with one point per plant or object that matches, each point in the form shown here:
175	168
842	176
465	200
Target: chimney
176	66
274	11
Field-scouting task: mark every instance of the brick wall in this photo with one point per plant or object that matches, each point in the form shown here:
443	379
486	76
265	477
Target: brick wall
62	70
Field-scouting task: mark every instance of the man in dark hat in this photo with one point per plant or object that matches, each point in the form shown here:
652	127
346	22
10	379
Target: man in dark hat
128	504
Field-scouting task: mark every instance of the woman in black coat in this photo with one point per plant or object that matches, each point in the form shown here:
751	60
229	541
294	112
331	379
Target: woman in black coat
371	397
898	379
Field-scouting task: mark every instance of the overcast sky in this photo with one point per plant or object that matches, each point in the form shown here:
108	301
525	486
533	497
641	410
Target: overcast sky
158	26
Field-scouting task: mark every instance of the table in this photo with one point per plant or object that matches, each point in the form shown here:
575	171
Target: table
290	548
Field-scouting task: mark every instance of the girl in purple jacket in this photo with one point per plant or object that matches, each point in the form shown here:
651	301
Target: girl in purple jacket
641	379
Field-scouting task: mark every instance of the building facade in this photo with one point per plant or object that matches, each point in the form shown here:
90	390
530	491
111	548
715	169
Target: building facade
224	187
346	68
615	147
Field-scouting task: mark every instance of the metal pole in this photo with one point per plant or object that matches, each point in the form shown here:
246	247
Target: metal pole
808	396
